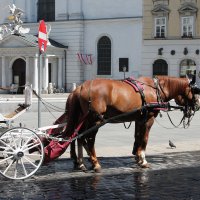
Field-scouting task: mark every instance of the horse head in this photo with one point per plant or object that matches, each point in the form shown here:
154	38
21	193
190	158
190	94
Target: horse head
191	96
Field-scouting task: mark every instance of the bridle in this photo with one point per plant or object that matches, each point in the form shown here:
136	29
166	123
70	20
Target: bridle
188	109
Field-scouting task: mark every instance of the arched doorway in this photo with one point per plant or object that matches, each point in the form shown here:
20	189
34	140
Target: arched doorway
187	66
19	74
160	67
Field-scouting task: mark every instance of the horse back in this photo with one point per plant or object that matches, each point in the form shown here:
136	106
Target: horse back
104	94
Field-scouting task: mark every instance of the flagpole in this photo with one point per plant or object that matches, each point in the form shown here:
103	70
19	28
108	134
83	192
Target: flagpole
39	88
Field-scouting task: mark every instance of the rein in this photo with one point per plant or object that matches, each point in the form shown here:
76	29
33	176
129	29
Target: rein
127	127
186	124
116	118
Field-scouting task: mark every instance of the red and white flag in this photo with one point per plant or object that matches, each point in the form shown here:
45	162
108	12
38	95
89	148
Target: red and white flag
42	36
85	59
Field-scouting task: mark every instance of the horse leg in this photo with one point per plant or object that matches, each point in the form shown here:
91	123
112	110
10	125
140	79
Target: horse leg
92	153
96	117
81	164
88	144
141	139
78	160
73	154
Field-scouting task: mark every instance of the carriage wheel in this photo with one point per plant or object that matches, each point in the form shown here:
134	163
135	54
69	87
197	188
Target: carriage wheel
21	153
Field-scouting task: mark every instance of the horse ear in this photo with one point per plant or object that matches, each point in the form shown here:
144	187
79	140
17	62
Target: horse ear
191	78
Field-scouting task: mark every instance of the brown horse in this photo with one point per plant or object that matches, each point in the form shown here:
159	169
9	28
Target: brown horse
100	99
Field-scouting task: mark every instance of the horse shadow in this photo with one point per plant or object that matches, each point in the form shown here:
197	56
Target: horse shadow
114	164
122	164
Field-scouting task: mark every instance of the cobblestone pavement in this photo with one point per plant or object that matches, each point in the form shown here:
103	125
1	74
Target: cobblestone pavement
171	176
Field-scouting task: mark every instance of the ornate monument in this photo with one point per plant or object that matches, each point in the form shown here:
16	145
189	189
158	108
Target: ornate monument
15	25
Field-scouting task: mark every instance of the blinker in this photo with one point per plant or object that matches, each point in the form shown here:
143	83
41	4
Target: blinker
195	89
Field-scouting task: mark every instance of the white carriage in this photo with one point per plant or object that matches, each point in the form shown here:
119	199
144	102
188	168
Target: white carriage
17	161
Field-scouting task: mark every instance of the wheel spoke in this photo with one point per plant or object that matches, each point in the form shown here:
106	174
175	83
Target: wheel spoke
24	169
26	158
1	161
3	147
31	147
6	144
8	152
16	164
8	167
28	140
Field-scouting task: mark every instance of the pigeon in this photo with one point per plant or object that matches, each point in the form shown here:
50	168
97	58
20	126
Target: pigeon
171	144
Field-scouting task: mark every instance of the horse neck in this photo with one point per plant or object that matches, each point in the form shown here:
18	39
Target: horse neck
172	87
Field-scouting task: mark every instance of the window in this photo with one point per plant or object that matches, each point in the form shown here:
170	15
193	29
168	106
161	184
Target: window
123	64
104	56
160	27
46	10
160	67
187	66
187	26
160	2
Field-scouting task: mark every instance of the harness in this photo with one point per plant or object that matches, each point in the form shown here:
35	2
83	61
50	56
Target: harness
188	113
152	107
138	87
158	89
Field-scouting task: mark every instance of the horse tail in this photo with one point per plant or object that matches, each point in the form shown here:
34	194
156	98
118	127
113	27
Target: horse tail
73	110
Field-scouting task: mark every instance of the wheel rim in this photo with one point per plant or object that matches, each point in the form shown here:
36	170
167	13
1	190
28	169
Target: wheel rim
21	153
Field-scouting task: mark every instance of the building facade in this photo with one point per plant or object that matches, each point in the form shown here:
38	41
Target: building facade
88	39
171	37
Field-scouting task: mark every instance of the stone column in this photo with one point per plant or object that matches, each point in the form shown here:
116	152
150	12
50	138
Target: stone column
3	75
60	76
27	70
45	75
35	73
54	72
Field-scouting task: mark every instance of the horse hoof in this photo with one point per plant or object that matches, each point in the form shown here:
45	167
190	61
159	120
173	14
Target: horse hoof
97	170
80	167
147	165
83	168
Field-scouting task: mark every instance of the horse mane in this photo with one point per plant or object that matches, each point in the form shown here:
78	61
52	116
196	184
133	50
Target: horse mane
173	86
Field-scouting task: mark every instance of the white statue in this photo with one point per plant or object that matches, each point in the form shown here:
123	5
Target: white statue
16	13
16	26
3	31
